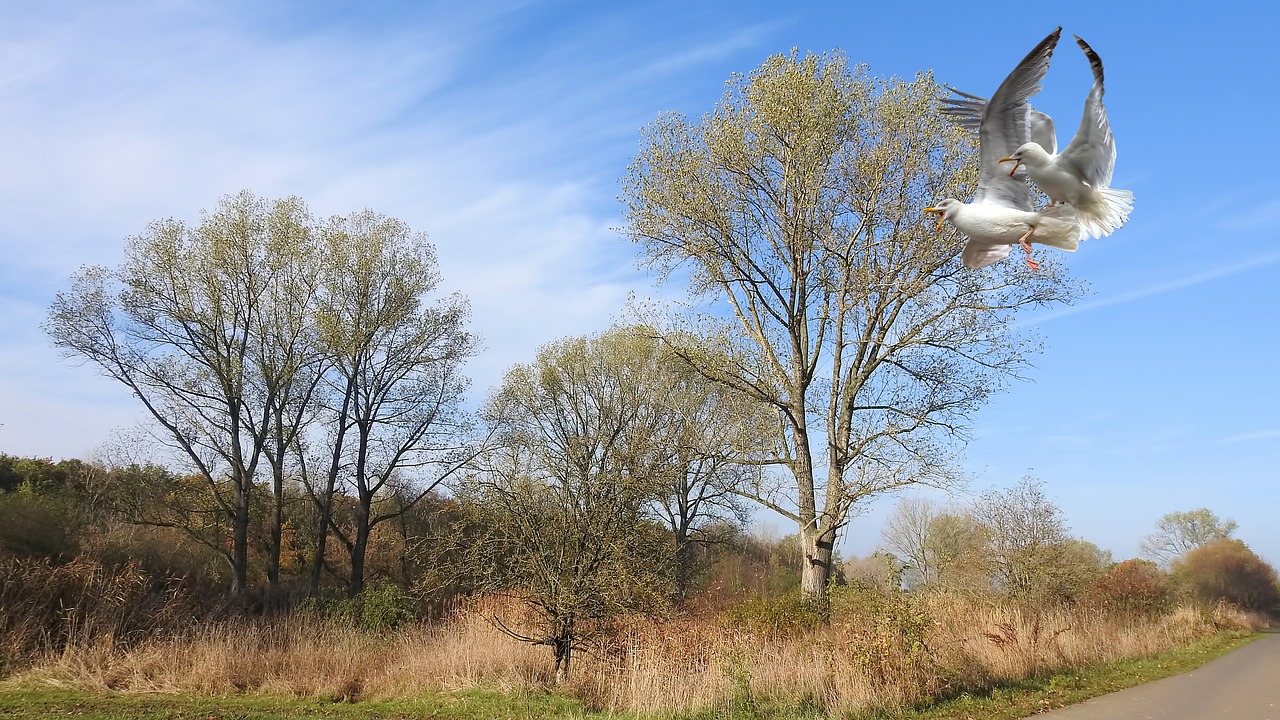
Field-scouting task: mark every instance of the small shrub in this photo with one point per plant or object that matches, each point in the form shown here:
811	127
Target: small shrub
775	617
884	631
1132	587
379	607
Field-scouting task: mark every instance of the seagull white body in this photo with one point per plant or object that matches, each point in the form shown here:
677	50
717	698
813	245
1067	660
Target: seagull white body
1081	174
1001	214
993	229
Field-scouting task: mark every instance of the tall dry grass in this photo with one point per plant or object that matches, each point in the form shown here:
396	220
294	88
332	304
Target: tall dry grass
856	663
47	606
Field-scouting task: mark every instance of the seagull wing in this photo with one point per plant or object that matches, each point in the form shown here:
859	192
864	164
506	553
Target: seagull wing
1042	132
979	255
966	111
1005	127
1092	152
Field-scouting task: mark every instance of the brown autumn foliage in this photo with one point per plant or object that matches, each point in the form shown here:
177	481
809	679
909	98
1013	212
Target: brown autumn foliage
1227	570
1135	586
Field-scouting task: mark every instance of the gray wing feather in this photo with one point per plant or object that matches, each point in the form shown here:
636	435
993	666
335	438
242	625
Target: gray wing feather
1005	126
1042	132
979	255
966	111
1093	150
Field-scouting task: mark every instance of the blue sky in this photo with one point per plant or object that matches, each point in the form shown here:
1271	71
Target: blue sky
501	129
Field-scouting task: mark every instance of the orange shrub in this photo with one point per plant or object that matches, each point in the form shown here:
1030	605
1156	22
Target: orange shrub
1132	587
1227	570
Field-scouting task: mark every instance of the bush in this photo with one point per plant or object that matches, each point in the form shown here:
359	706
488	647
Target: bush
1227	570
39	524
379	607
1132	587
884	631
775	617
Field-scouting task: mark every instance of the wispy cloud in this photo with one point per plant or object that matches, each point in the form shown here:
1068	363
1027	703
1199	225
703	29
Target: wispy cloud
1248	437
1152	290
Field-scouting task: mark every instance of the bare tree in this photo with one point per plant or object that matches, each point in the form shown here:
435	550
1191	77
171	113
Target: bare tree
181	323
1032	556
1180	532
703	439
795	210
394	378
906	534
562	504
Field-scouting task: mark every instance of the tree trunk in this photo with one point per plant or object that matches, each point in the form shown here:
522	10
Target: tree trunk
240	540
325	503
562	646
684	562
816	546
360	545
325	508
276	535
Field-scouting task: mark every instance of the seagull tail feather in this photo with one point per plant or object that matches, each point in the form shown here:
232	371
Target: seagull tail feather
1108	214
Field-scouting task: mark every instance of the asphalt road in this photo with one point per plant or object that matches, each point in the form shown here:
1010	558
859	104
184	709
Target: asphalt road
1242	685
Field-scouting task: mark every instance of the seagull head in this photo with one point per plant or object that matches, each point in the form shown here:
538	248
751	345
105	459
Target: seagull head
1030	154
946	209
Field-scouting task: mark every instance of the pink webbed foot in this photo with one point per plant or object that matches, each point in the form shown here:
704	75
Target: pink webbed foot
1026	247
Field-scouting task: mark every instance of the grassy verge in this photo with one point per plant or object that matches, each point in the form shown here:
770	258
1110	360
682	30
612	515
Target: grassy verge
1028	697
1007	702
42	702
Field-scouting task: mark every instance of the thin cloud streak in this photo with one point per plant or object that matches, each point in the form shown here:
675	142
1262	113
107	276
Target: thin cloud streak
1248	437
1159	289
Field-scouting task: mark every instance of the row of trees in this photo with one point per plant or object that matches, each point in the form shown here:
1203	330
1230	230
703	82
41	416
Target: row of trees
1015	543
829	320
270	348
579	550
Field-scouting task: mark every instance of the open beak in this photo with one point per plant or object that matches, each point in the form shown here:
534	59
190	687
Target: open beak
941	217
1016	163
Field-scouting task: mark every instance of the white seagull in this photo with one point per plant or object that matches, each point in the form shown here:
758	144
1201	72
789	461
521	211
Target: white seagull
1001	214
1081	174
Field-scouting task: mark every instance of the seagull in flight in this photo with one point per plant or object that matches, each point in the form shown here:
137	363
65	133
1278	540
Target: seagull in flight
1001	215
1081	174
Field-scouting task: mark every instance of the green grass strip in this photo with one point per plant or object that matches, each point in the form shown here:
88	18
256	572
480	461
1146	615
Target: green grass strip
1027	697
40	702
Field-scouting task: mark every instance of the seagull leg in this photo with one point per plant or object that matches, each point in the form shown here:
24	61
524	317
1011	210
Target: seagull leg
1022	241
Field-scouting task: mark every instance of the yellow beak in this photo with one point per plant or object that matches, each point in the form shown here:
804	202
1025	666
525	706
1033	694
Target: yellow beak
941	218
1016	163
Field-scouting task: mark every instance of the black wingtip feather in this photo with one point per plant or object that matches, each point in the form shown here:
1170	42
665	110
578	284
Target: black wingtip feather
1095	62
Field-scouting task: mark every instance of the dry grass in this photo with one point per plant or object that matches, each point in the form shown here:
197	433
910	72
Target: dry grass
686	665
47	606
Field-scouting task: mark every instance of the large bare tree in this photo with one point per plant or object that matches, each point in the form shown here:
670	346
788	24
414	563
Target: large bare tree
395	383
794	212
185	323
